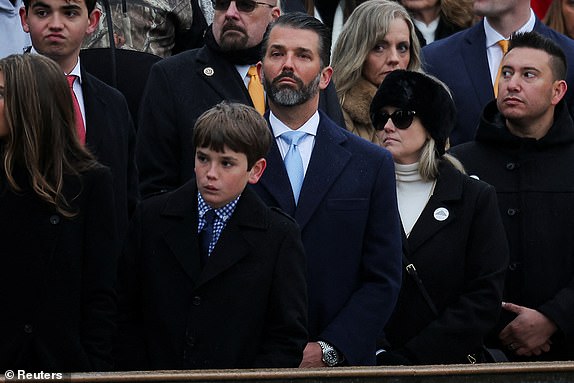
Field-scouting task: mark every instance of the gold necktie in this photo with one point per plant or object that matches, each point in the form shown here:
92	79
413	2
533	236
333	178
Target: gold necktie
504	46
255	89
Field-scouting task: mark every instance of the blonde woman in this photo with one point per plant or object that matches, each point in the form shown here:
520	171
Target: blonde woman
379	37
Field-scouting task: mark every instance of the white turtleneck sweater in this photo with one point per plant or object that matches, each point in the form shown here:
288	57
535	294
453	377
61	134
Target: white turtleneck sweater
412	194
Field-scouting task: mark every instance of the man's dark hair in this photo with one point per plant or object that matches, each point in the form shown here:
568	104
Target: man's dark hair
239	127
299	20
90	5
535	40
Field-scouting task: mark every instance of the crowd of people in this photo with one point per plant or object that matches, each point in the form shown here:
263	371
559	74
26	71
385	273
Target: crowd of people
404	201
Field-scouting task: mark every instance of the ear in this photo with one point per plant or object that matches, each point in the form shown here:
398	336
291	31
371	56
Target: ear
326	74
24	20
94	20
275	13
559	89
257	171
260	71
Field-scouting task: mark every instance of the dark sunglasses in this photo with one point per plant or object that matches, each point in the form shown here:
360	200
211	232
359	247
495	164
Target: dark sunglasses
401	118
246	6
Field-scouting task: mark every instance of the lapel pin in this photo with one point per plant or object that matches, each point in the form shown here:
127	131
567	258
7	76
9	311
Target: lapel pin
208	71
441	214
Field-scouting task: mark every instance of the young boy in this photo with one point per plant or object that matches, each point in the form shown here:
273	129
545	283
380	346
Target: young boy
227	292
57	29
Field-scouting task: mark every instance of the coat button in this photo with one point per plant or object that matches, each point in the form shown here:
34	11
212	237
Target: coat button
514	266
196	301
55	219
511	166
512	212
28	328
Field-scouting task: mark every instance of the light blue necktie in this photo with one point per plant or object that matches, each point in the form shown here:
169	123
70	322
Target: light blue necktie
293	161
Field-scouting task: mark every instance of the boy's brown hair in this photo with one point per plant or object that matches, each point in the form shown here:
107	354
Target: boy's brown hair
239	127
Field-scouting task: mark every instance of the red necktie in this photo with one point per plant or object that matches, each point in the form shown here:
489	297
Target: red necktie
80	128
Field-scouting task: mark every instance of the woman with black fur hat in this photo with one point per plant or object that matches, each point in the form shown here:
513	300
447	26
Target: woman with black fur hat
454	242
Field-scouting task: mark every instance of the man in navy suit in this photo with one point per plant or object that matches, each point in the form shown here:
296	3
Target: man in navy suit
346	207
57	29
468	62
182	87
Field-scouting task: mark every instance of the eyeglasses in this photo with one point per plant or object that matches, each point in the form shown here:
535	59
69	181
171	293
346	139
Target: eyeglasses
246	6
402	119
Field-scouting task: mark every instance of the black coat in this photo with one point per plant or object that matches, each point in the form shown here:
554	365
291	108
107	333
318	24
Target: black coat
461	261
179	90
110	136
57	277
534	180
246	308
460	61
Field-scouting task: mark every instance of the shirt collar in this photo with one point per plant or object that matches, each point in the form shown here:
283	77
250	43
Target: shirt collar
493	37
75	71
223	213
309	127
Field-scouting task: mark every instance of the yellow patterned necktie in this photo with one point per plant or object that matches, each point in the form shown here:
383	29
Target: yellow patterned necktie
255	89
504	46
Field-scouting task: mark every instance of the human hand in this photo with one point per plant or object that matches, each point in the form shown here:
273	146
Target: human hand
312	356
529	333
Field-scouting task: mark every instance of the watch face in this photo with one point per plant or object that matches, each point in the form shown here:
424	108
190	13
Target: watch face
330	357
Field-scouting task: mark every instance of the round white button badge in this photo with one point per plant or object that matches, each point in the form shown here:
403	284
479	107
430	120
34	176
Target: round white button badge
441	214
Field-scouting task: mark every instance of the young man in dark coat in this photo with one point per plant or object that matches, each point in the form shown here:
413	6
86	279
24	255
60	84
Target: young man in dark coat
57	29
226	291
525	148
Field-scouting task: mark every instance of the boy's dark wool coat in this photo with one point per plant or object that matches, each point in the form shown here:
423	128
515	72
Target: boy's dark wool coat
246	308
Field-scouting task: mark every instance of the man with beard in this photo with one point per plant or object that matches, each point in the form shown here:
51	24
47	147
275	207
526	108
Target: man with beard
341	191
182	87
524	147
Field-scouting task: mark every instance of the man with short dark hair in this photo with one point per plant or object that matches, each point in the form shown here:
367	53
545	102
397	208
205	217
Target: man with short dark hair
468	61
182	87
524	147
340	189
57	29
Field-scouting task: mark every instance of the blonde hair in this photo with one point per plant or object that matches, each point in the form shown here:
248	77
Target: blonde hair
42	135
555	19
365	28
429	161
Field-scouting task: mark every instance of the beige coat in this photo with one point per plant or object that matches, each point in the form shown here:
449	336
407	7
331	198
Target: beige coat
356	110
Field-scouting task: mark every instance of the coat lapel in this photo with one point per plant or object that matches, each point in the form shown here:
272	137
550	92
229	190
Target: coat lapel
181	229
233	244
95	109
476	62
276	181
215	70
431	219
328	160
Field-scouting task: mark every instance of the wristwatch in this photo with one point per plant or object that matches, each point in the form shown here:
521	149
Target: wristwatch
331	357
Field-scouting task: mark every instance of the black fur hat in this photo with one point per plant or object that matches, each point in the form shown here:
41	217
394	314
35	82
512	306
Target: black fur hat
422	93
